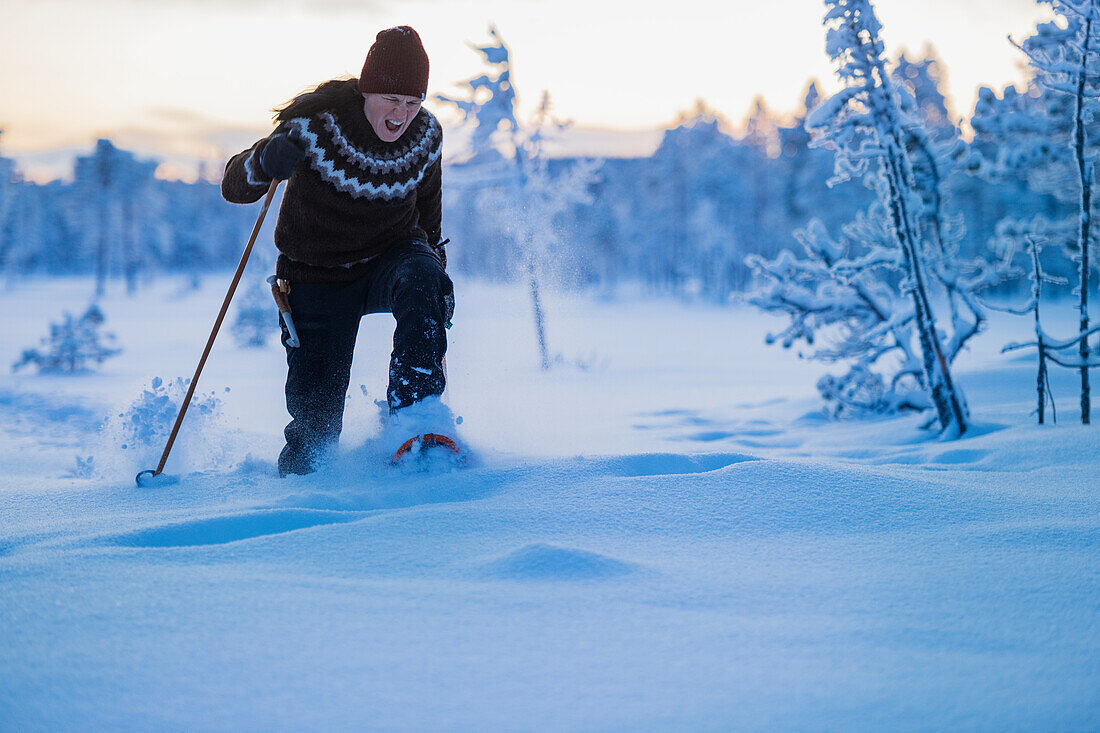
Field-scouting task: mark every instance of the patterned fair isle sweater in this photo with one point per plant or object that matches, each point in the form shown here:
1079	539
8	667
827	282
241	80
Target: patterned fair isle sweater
352	197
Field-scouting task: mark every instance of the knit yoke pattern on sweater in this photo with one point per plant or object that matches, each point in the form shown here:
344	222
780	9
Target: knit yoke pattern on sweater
352	197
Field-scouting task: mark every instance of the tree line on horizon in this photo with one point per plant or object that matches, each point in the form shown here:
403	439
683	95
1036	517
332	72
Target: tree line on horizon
680	221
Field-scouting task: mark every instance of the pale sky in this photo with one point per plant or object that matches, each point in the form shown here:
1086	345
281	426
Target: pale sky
198	77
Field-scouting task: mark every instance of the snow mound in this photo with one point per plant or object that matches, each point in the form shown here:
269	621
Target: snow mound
549	562
672	464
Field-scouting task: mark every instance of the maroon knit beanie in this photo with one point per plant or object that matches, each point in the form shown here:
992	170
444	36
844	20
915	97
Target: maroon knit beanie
396	64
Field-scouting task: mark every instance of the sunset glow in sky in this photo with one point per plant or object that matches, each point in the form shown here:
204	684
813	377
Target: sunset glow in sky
197	77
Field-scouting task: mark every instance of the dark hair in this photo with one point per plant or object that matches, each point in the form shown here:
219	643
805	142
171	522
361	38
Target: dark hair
326	95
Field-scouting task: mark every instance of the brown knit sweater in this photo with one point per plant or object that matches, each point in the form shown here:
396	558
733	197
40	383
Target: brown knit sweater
352	197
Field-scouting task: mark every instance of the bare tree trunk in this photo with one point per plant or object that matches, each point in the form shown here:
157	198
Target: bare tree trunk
540	318
1041	385
129	255
1085	172
949	407
1037	292
101	249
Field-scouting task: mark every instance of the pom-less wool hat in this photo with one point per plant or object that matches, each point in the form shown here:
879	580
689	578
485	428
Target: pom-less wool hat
396	64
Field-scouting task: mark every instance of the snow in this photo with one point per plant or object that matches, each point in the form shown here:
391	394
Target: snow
661	532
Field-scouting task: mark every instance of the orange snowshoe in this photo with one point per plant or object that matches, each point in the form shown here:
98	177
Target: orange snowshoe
419	444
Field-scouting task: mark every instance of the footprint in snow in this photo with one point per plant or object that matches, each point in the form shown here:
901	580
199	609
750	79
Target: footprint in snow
674	418
956	457
668	413
710	436
765	403
964	455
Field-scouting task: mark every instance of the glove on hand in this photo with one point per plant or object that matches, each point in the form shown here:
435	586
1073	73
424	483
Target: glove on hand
280	155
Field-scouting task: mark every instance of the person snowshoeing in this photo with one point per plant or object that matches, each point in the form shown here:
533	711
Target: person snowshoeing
358	232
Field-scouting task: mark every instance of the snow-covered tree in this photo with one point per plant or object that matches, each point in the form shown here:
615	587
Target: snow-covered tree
72	345
139	195
1009	164
488	112
490	105
762	129
872	124
1066	57
1020	136
99	177
923	78
113	189
758	155
515	186
683	203
802	175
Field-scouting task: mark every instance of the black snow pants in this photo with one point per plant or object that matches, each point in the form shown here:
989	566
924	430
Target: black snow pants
408	281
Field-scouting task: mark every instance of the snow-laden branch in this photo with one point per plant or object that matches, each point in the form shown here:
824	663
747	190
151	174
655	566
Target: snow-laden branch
1051	344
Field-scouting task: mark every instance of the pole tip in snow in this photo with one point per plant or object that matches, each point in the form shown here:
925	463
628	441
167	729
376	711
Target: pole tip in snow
152	479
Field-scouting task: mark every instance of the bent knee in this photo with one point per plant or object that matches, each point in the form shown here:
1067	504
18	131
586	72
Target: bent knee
423	277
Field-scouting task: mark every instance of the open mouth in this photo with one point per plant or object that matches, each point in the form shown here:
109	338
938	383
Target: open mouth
393	126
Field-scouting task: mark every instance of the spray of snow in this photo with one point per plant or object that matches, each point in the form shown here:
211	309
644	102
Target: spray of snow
134	437
430	415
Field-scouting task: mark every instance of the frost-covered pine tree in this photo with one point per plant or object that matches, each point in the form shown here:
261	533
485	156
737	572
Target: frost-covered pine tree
490	106
871	123
98	178
488	114
1066	57
113	189
800	179
1020	172
72	345
935	149
137	199
760	147
679	200
1020	137
923	78
516	186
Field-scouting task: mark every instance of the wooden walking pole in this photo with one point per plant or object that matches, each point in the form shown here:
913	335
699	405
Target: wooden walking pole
145	477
